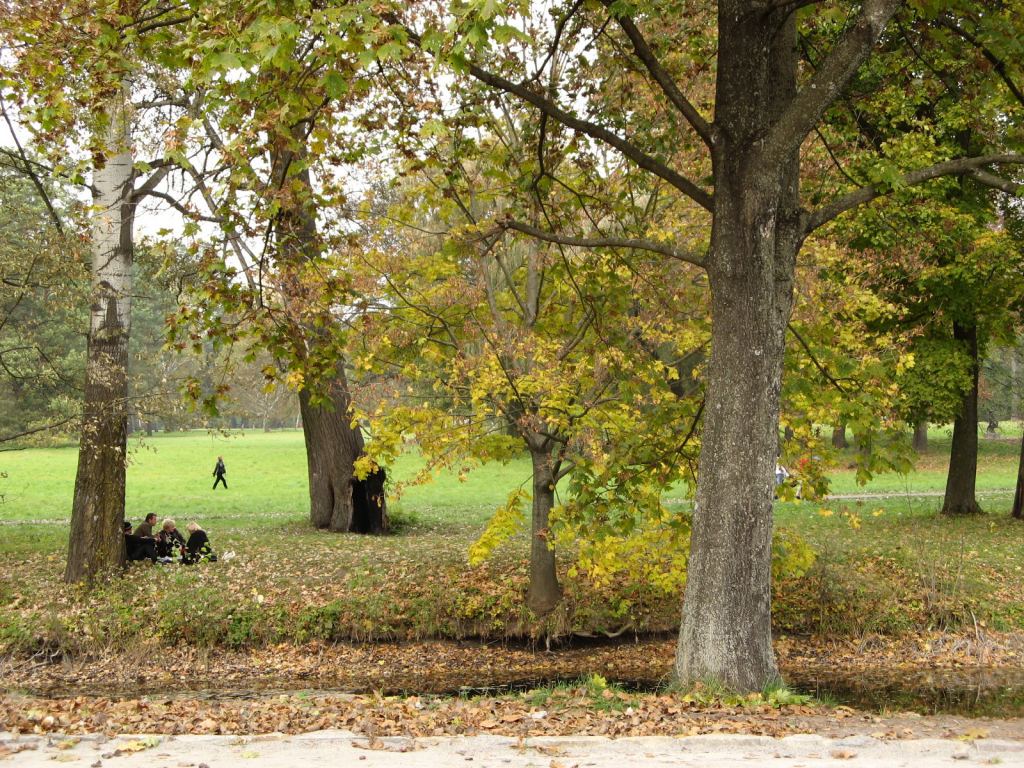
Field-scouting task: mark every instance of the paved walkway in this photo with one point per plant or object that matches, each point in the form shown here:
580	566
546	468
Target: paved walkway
336	748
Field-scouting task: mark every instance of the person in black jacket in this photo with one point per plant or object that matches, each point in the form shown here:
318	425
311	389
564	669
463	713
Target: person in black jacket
218	472
198	548
138	547
169	541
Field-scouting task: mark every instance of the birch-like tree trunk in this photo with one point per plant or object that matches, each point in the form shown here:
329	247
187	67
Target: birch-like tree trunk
1017	511
96	544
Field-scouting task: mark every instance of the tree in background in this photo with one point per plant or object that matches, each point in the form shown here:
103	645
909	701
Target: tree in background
282	91
42	312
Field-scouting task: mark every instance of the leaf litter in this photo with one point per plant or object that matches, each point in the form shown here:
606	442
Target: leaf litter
297	689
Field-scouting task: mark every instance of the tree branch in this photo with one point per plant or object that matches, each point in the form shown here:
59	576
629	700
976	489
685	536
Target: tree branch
152	182
595	131
602	242
821	368
997	63
27	169
643	51
805	110
991	180
968	165
176	204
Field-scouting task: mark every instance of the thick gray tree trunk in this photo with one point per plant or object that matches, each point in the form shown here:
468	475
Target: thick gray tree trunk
960	498
544	592
726	628
96	544
839	437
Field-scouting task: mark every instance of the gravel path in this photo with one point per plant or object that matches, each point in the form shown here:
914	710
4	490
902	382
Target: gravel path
344	749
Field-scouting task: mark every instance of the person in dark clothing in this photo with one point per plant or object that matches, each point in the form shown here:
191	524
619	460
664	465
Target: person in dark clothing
138	547
169	540
218	472
198	548
145	528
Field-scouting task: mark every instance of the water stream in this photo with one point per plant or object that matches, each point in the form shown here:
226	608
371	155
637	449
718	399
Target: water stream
975	692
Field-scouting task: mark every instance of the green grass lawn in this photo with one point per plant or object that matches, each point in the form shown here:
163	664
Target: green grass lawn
883	564
170	474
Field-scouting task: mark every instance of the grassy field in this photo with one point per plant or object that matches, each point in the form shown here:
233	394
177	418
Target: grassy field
889	565
170	474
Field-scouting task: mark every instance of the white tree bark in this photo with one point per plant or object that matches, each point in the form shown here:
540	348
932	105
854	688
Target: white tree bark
96	544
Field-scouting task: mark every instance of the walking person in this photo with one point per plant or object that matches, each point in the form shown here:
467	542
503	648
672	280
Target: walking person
219	471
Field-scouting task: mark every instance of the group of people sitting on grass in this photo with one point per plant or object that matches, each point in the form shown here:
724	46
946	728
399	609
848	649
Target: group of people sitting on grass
167	543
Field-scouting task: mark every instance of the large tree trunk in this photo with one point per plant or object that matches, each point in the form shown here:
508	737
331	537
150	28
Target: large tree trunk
332	446
544	592
96	544
920	443
839	437
1018	496
725	635
333	443
963	457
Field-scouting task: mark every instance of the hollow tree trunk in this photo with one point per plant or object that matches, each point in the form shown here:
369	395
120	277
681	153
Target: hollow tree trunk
332	442
1018	497
96	544
920	443
963	457
544	592
332	446
839	437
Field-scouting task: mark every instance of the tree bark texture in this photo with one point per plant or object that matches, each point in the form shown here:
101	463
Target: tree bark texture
725	635
333	442
920	443
332	446
96	544
544	592
1018	497
960	496
839	437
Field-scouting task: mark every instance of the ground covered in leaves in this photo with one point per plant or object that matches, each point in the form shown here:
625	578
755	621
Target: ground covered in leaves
398	689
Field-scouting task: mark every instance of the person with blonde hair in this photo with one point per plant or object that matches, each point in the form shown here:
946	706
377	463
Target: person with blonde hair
198	548
168	540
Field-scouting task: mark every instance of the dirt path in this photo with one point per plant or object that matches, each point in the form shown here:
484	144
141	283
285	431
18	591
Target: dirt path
341	748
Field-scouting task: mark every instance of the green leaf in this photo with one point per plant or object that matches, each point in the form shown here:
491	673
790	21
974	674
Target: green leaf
335	84
224	61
